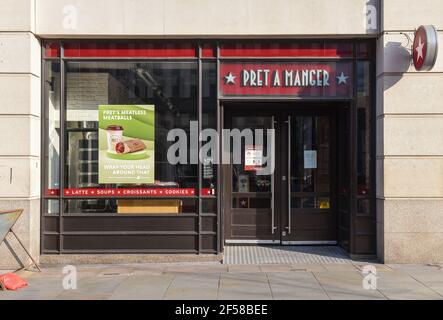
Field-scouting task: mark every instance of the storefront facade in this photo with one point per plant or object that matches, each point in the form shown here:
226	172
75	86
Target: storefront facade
127	112
310	92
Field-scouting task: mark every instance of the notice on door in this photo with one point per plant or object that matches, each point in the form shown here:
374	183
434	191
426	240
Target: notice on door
310	159
253	157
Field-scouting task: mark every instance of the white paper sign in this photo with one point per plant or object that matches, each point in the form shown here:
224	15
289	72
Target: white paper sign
253	157
310	159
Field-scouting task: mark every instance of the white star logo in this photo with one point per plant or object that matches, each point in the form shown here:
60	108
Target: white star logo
419	49
342	79
230	78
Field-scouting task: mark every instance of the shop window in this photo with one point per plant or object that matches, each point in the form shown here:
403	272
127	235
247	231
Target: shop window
52	127
51	207
363	129
170	91
209	121
51	50
364	206
364	49
209	205
209	50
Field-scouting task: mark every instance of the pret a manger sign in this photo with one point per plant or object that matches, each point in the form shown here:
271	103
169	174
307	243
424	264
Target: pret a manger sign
425	48
288	78
328	79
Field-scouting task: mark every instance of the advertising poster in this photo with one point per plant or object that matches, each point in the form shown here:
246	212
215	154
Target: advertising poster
126	144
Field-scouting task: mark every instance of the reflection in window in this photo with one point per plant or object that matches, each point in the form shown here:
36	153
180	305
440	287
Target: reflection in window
363	128
209	120
51	206
52	86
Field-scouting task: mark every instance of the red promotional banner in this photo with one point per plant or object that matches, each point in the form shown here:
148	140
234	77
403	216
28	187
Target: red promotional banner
304	79
52	192
132	192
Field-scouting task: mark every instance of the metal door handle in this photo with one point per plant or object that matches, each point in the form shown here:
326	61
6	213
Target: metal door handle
289	175
272	186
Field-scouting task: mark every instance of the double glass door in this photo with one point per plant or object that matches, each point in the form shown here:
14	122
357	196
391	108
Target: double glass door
280	185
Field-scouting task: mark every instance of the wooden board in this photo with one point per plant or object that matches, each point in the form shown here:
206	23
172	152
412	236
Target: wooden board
136	206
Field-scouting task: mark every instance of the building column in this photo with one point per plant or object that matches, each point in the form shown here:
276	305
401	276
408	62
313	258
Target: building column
409	139
20	86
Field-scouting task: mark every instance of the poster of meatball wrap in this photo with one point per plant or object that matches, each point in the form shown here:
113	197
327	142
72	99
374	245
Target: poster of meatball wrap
126	144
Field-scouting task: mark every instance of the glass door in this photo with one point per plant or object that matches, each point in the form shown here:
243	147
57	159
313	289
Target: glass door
250	209
309	216
296	202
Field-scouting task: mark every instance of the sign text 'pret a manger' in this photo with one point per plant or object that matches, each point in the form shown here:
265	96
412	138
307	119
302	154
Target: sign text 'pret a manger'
326	79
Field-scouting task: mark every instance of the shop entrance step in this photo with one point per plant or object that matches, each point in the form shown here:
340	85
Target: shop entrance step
254	254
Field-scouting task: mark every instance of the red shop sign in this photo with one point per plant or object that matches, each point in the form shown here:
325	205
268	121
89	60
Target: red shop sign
303	79
425	48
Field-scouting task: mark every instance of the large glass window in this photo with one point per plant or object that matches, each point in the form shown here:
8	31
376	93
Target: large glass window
209	121
52	152
363	128
170	86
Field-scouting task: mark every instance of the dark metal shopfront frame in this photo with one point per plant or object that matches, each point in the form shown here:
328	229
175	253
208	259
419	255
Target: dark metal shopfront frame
217	234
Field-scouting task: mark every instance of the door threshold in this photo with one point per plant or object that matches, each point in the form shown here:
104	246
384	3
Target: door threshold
251	241
331	242
278	242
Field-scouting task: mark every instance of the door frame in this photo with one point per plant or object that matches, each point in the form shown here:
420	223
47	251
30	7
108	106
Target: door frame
279	109
226	193
331	113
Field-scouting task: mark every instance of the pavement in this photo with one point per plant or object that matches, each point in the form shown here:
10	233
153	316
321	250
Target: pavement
212	280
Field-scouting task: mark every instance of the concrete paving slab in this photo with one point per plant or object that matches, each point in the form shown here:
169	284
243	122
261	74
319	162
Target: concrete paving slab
416	267
236	286
404	287
271	268
345	286
193	287
39	288
196	269
95	287
295	286
142	287
378	266
308	267
245	268
432	280
340	267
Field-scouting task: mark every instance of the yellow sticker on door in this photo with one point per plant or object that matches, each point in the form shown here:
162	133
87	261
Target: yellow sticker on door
324	205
